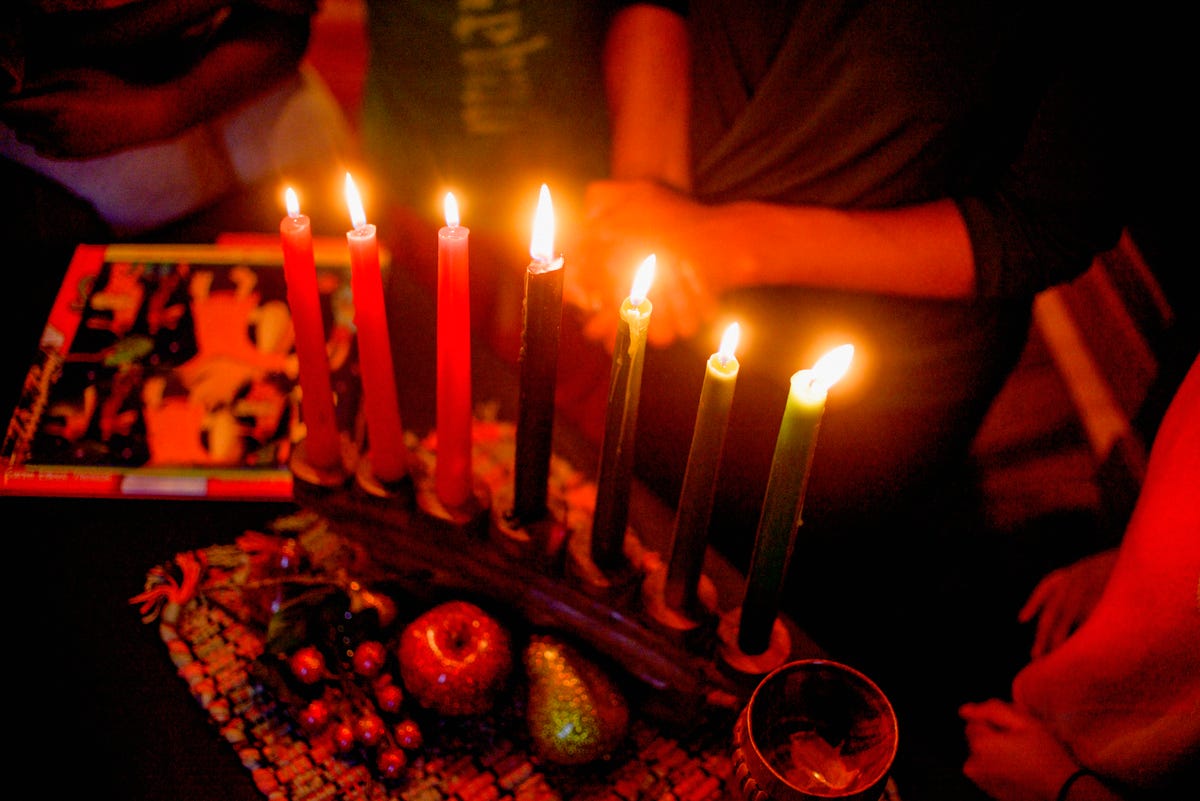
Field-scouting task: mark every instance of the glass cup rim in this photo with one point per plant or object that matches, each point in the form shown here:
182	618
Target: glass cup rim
865	684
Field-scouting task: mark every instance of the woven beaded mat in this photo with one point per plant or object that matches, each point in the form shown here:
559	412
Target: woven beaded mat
213	611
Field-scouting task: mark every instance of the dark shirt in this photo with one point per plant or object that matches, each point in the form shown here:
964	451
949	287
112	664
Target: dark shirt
1004	107
1012	109
1007	108
487	99
142	41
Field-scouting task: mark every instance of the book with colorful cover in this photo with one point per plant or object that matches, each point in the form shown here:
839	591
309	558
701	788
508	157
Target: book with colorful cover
169	371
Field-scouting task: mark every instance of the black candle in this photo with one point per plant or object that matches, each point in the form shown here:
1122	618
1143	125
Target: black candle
539	369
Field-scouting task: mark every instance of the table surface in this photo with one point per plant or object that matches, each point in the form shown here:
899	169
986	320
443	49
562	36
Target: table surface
111	715
115	719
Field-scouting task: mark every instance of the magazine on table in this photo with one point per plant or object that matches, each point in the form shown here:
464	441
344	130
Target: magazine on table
169	371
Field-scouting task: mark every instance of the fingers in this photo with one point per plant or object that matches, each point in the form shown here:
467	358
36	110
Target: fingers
574	294
660	336
992	712
601	328
600	196
1040	595
1054	626
601	273
628	220
1047	605
581	297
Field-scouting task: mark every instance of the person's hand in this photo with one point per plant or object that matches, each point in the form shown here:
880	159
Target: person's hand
626	221
1063	599
1011	755
86	112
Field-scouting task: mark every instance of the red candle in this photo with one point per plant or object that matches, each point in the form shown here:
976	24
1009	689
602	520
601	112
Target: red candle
385	435
453	473
615	476
322	442
539	368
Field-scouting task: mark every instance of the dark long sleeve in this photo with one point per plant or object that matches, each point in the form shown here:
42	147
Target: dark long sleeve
1067	194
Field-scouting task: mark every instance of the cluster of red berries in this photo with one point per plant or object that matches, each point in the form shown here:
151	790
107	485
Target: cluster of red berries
361	709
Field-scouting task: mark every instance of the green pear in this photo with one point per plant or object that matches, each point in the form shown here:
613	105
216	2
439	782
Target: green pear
576	713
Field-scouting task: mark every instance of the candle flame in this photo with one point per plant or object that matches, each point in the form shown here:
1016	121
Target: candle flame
541	247
729	342
358	217
642	281
830	368
451	208
292	202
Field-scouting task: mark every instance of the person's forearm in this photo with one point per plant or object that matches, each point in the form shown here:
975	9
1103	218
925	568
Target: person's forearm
248	61
127	25
648	83
919	251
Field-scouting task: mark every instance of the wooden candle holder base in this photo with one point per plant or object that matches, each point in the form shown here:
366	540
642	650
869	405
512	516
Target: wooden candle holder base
331	477
471	515
695	631
371	484
750	668
543	573
615	585
434	559
542	542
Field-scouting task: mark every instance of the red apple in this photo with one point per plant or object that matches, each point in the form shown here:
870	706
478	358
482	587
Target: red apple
454	658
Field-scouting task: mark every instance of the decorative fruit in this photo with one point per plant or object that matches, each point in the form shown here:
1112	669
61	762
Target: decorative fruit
369	658
362	599
344	737
389	697
315	715
391	762
576	714
408	735
454	658
308	664
370	729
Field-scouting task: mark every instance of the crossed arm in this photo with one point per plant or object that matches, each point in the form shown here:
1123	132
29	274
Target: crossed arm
84	111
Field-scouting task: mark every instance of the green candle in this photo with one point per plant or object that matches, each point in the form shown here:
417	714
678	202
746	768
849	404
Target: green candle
615	474
784	501
690	538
